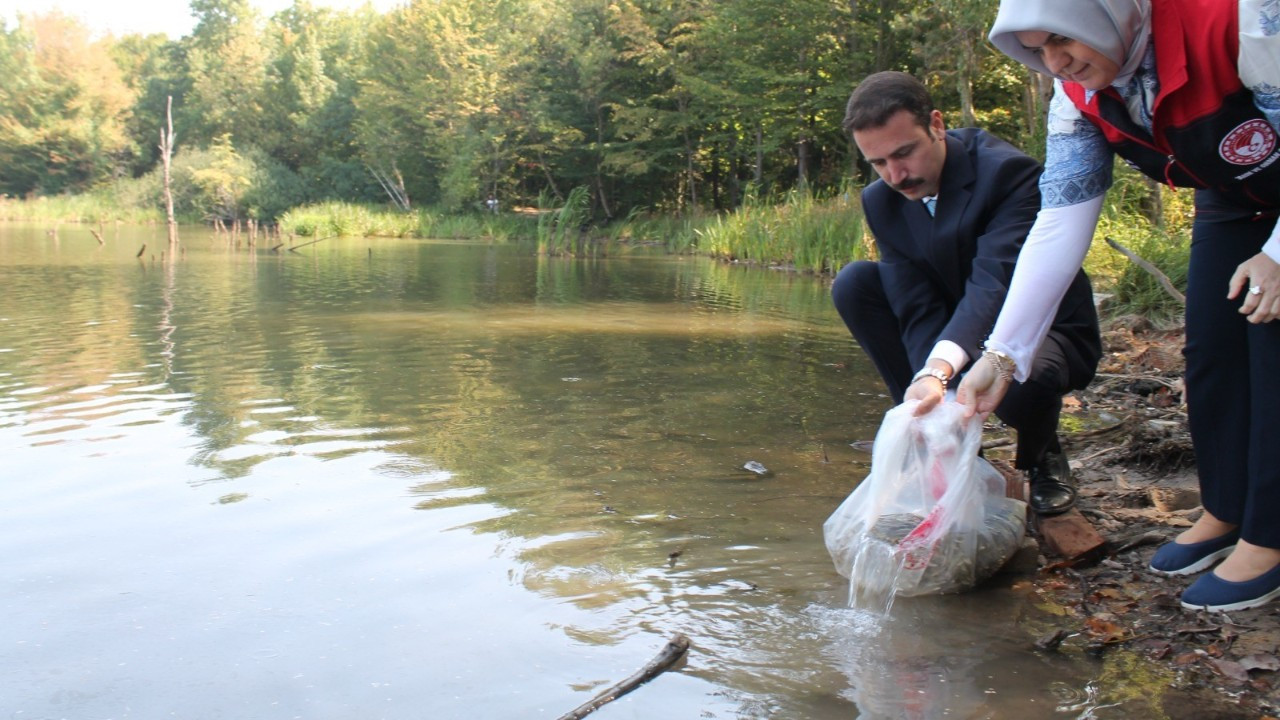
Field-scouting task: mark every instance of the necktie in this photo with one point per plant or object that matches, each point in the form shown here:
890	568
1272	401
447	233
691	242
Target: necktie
930	203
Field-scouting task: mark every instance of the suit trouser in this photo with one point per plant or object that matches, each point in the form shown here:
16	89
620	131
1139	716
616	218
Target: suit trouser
1031	408
1233	374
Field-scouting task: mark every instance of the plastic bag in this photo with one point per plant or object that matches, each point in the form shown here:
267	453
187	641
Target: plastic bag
932	517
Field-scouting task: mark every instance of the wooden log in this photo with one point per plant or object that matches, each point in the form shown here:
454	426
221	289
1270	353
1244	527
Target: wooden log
1070	536
670	655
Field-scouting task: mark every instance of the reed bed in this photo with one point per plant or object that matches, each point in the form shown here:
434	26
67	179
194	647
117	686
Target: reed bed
811	234
350	219
91	208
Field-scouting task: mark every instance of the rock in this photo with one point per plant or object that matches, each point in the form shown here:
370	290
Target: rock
1167	499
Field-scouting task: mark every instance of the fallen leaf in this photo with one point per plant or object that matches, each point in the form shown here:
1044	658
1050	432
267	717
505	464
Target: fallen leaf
1229	668
1186	658
1260	662
1103	628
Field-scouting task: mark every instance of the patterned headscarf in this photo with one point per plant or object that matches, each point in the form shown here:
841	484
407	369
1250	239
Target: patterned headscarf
1119	29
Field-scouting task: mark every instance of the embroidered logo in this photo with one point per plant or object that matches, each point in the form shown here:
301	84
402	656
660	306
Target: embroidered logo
1251	142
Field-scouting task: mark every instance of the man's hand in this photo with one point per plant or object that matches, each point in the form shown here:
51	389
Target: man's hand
1259	273
982	388
929	391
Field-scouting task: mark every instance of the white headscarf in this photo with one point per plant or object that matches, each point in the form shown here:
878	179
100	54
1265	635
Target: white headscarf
1119	29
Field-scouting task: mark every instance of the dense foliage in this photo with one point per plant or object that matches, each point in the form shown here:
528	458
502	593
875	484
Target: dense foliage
666	105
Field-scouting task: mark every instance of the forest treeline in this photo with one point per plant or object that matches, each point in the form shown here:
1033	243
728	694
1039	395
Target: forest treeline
655	105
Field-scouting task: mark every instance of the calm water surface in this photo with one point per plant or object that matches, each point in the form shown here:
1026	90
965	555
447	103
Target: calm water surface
407	479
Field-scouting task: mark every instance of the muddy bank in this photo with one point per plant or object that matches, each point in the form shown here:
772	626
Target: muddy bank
1131	452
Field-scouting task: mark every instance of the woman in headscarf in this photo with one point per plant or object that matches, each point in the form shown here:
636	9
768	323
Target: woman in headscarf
1187	91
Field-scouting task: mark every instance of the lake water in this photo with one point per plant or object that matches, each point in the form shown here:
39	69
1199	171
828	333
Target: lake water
411	479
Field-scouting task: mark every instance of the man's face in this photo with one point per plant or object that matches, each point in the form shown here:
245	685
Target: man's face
908	157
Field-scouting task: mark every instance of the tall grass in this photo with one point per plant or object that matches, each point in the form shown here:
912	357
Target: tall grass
676	233
818	235
98	207
347	219
1167	245
561	231
350	219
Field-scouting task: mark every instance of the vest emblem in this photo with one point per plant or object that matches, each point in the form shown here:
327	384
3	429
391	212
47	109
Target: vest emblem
1250	142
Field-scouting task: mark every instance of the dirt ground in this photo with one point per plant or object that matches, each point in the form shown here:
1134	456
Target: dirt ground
1126	436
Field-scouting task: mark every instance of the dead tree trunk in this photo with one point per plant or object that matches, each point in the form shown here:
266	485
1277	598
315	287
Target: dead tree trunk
166	155
394	186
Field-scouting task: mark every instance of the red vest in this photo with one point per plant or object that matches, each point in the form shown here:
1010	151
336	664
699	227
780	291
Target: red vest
1206	130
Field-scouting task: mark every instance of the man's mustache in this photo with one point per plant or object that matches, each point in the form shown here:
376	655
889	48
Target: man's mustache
908	184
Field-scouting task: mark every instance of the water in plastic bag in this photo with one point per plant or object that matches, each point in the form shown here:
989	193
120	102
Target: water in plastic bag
930	518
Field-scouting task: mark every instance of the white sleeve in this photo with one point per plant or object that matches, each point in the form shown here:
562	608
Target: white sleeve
1050	258
1259	68
952	354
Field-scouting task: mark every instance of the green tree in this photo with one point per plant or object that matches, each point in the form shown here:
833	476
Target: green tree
227	66
64	107
154	68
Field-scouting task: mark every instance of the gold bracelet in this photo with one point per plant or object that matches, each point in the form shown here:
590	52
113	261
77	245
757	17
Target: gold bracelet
1005	365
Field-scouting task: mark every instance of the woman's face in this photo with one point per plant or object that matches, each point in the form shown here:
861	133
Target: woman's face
1070	60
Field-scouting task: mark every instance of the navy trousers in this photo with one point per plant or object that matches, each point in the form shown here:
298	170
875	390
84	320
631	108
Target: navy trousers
1233	373
1031	408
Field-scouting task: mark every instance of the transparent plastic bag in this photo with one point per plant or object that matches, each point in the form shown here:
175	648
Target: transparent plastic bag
930	518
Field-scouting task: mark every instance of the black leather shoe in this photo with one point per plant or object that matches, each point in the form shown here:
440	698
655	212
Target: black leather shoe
1052	491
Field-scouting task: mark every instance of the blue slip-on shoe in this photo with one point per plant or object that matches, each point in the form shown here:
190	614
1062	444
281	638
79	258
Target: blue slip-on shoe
1211	592
1177	559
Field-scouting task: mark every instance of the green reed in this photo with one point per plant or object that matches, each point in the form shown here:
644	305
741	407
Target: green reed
818	235
563	230
91	208
351	219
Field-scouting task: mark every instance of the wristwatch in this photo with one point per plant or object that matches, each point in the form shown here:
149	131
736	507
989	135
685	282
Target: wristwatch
933	373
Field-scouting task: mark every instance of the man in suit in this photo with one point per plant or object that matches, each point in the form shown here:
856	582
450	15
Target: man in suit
949	214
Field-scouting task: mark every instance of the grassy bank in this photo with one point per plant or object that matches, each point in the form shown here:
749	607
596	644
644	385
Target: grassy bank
811	234
92	208
340	218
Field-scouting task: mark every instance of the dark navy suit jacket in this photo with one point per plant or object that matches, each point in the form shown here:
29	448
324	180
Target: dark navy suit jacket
946	276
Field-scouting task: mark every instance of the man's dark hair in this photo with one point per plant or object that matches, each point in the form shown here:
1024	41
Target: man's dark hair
881	96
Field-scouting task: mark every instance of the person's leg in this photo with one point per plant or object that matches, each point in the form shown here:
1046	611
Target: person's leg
1231	390
859	297
1032	409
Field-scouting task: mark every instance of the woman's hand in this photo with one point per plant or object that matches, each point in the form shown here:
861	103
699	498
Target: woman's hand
982	388
929	391
1262	274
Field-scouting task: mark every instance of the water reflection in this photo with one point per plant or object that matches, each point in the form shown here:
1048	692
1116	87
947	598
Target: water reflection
402	478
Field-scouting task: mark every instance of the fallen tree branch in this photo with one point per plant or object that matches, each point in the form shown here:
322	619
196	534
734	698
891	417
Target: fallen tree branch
296	248
1160	277
670	655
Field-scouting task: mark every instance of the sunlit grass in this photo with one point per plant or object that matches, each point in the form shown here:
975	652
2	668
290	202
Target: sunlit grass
812	234
90	208
343	219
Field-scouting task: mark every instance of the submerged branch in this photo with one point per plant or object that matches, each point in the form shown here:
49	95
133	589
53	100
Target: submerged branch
313	242
670	655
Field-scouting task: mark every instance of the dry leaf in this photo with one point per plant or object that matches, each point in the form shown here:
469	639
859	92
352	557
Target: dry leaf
1260	662
1229	668
1105	629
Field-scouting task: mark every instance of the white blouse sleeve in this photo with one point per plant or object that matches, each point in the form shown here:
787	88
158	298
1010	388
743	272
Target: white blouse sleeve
1049	261
1259	68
